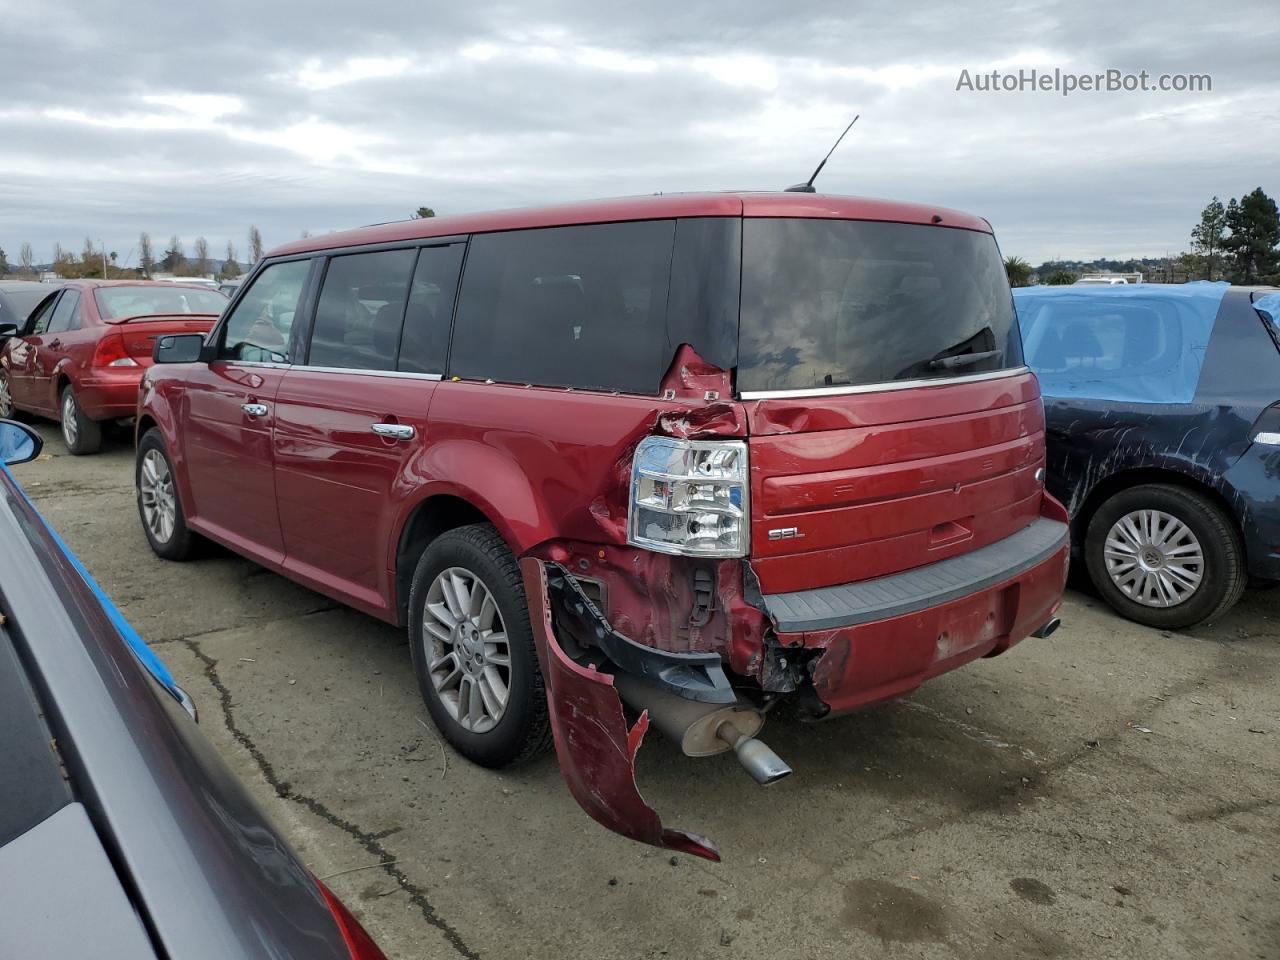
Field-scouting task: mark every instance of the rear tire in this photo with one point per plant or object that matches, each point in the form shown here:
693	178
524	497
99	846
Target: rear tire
159	508
8	410
81	435
1196	573
478	672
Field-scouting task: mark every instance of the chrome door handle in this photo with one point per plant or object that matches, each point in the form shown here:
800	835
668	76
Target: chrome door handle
394	431
254	409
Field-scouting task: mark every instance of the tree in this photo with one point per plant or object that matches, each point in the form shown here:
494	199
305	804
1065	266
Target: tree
202	256
1254	223
1018	270
26	258
57	251
146	259
4	263
90	260
175	257
230	268
1061	278
1208	235
255	245
422	213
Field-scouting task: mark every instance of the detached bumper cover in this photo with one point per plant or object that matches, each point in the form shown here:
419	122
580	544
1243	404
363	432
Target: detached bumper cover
595	748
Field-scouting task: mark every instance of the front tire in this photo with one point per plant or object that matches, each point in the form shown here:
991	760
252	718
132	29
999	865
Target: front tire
158	505
1165	556
473	650
80	434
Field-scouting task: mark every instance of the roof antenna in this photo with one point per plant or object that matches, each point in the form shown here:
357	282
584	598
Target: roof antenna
807	186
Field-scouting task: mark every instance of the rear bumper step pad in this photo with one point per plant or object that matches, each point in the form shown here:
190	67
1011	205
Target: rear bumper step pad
849	604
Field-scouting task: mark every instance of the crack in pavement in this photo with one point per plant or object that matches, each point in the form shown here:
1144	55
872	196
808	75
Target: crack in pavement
370	841
251	622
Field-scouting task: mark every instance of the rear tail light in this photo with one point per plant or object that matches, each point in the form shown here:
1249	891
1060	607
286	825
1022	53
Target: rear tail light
690	497
1266	429
111	353
359	944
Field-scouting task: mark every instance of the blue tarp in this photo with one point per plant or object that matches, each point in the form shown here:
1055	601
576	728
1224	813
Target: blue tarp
1269	306
1132	343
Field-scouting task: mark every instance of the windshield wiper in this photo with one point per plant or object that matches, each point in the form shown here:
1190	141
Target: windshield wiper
964	360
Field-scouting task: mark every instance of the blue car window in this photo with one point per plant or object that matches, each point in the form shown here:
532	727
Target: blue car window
1140	343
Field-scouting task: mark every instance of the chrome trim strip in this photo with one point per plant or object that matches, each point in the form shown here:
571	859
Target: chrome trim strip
397	374
249	363
881	387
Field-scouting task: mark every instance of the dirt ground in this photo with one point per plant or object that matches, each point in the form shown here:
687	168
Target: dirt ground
1108	792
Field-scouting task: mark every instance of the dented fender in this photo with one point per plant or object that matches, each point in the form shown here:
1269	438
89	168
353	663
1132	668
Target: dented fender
595	748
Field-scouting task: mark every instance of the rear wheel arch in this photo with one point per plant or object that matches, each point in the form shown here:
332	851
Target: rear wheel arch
1105	489
428	519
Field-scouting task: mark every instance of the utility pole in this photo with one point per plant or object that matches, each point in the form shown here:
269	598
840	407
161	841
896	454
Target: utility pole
104	258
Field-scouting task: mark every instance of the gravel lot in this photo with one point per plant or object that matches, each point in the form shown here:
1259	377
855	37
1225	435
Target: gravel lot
1108	792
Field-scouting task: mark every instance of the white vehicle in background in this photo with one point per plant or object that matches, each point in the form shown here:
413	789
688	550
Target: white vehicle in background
1107	279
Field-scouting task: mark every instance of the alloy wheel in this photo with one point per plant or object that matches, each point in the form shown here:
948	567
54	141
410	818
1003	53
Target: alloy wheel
6	399
70	425
1153	558
155	489
468	656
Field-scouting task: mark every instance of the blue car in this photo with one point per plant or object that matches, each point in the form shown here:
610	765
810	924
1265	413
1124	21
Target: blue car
1163	433
122	834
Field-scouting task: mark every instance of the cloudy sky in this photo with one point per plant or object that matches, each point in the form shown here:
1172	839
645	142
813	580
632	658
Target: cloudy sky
203	119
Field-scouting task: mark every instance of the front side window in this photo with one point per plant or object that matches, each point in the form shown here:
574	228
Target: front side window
66	315
832	303
259	326
361	309
39	321
581	306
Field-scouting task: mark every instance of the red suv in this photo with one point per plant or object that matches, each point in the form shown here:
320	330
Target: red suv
81	352
703	452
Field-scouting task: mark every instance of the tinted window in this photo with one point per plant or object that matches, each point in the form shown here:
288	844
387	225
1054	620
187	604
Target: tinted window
430	313
258	328
360	310
577	306
16	305
841	302
39	321
66	316
156	299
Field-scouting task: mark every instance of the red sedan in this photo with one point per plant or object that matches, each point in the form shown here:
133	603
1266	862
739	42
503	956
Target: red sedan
81	352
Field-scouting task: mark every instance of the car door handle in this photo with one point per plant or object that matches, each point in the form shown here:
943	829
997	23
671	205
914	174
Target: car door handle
394	431
55	344
254	409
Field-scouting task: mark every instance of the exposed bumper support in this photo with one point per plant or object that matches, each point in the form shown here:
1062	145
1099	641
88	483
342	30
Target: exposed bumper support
595	748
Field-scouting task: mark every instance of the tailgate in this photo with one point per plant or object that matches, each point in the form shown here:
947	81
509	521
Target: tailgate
140	333
851	487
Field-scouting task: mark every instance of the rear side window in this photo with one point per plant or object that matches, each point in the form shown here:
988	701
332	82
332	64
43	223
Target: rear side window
425	341
259	326
66	316
831	303
361	309
582	306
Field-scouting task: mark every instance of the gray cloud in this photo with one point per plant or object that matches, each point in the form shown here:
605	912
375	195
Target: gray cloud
296	116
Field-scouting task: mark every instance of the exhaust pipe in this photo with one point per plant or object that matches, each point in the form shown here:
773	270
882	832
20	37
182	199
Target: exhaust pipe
1047	628
706	729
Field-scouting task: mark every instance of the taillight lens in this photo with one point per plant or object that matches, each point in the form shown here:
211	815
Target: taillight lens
111	353
357	939
690	497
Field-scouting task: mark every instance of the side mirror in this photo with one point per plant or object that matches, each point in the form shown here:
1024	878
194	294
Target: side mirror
8	330
18	442
178	348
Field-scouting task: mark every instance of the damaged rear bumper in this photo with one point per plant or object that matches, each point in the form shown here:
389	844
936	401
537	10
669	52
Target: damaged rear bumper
880	639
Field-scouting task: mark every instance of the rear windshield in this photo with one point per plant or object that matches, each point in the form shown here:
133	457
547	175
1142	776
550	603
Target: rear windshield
832	303
117	302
